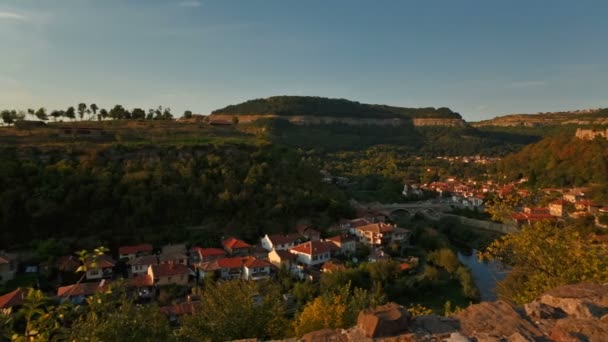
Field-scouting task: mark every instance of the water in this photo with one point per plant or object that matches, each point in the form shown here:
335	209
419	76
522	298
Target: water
486	275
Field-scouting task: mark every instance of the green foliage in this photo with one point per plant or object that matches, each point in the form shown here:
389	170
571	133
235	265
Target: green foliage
444	258
320	106
235	310
543	256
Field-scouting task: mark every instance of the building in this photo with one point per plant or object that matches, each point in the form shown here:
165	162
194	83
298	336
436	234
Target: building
12	300
256	269
101	267
313	252
556	208
308	232
78	292
208	254
381	234
230	268
169	274
132	252
280	242
281	258
140	265
236	247
345	243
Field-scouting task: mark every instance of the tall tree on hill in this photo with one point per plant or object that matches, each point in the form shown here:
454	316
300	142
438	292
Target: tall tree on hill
82	108
56	114
117	112
103	113
70	113
31	111
188	114
138	113
94	109
41	114
167	114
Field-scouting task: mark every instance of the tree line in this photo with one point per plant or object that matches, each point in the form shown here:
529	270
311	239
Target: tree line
90	112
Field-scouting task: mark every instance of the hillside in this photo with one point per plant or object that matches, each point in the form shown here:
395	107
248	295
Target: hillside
579	117
315	110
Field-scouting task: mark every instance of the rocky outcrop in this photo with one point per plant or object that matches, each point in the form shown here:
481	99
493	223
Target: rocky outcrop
320	120
571	313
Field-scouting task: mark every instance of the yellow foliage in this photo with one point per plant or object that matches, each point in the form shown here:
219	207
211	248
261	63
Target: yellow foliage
323	312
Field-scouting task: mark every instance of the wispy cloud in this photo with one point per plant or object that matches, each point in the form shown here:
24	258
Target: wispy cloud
190	3
527	84
12	16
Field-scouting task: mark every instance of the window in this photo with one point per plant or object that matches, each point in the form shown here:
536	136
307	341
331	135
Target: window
94	272
169	279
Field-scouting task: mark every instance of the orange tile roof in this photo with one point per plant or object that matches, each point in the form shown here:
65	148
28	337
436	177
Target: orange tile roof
12	299
230	262
170	269
124	250
253	262
142	281
102	261
313	247
68	263
82	289
285	255
377	228
280	239
144	260
342	238
233	243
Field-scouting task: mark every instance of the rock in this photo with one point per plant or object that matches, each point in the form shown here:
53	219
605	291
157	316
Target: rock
491	321
434	325
576	329
457	337
578	301
537	311
329	335
386	320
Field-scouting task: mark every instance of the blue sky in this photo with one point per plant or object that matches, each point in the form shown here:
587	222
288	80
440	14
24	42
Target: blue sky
481	58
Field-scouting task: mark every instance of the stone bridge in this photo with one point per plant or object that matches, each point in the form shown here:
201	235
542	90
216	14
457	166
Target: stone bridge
431	210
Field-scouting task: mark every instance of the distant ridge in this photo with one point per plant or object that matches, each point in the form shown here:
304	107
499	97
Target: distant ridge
319	110
578	117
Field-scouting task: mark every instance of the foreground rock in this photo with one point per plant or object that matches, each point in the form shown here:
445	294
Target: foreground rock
572	313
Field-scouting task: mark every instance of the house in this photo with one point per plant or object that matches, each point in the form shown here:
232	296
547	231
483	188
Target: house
379	234
280	242
587	205
169	274
308	232
344	242
230	268
531	215
139	266
8	267
67	263
255	269
350	226
331	266
281	258
208	254
132	252
177	254
78	292
175	311
313	252
12	300
100	267
236	247
556	208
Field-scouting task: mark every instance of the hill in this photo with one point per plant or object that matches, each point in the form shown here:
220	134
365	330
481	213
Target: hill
579	117
315	110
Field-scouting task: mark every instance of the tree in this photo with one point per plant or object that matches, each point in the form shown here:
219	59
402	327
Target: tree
8	117
187	114
94	109
117	112
82	108
501	208
543	256
322	313
235	310
445	258
138	114
41	114
103	113
70	113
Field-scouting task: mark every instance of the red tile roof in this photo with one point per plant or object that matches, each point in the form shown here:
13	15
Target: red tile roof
14	298
102	261
205	252
253	262
314	247
230	262
377	228
331	267
340	238
280	239
143	248
170	269
82	289
141	281
4	260
285	255
234	243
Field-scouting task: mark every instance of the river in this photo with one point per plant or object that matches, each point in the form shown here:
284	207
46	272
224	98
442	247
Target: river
486	275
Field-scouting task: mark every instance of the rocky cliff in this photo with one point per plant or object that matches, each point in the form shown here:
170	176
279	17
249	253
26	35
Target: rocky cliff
317	120
565	314
579	117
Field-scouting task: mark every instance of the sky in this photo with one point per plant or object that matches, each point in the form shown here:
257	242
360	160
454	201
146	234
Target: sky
480	58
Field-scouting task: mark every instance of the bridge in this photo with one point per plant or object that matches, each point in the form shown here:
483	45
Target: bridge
431	210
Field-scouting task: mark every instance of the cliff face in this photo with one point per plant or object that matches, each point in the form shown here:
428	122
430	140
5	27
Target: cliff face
565	314
318	120
579	117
